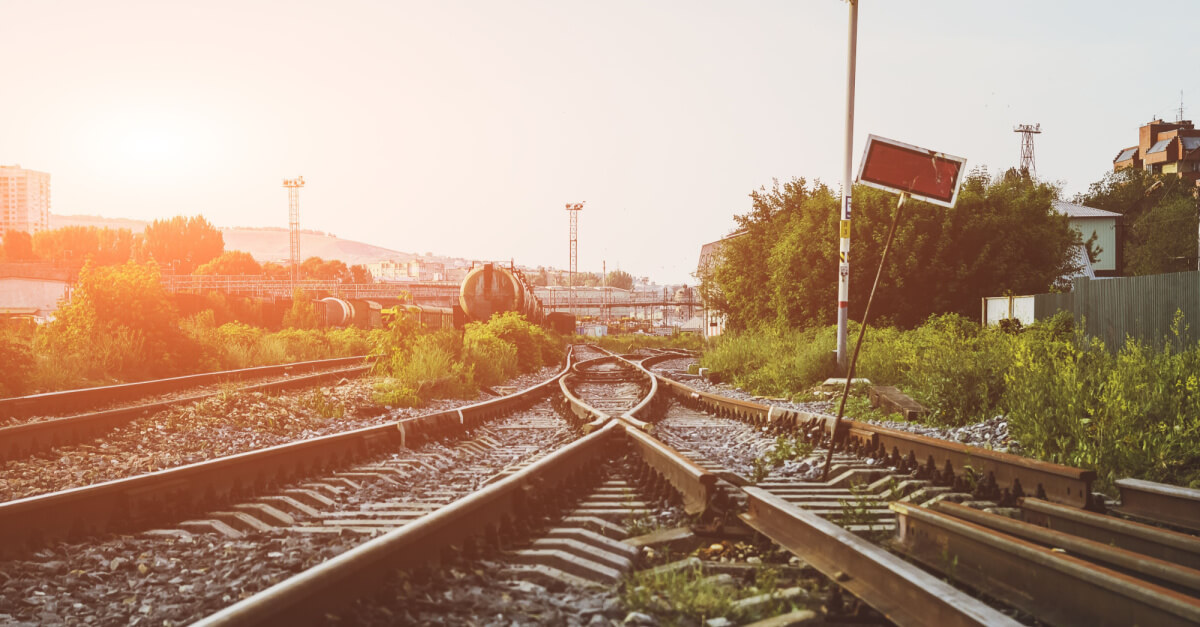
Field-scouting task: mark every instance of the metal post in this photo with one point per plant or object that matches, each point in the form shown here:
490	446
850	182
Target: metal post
862	332
847	183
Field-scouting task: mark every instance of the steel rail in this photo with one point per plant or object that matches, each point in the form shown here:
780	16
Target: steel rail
1053	482
1054	586
1152	569
18	440
50	402
903	592
696	485
1164	544
135	502
1160	502
304	598
589	417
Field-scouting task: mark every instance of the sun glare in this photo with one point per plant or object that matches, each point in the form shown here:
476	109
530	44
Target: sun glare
154	143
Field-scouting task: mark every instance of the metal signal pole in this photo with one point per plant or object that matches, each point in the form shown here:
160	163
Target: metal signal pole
847	184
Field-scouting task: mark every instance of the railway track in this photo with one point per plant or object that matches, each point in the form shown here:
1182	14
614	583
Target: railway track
35	423
901	518
281	508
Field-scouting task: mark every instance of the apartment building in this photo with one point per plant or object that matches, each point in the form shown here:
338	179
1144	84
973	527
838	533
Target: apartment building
24	200
1164	148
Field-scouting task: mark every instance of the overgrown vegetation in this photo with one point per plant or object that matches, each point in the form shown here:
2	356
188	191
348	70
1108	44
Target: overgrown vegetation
419	365
630	342
686	596
121	326
1131	410
785	449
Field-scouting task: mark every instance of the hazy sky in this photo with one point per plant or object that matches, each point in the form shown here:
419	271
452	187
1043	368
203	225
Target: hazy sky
463	128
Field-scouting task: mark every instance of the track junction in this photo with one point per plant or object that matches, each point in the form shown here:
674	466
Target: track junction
561	492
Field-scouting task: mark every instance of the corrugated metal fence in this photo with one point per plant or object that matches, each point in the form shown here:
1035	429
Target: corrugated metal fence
1141	307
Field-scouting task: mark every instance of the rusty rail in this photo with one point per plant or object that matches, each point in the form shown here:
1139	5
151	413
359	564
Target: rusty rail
1143	566
1018	476
1056	587
65	400
1172	546
304	599
904	593
1173	505
25	438
135	502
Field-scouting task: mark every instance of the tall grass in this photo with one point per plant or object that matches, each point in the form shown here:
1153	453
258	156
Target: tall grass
37	362
630	342
1134	412
772	362
1128	411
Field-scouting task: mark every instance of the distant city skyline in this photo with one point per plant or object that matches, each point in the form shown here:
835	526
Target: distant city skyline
462	128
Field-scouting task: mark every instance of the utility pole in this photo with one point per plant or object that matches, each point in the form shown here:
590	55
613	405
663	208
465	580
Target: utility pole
604	293
573	209
293	186
843	315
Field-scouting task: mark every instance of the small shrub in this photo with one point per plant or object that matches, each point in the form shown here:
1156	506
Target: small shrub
492	359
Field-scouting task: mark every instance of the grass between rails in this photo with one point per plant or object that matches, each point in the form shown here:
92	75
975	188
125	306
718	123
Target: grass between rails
630	342
1126	411
686	596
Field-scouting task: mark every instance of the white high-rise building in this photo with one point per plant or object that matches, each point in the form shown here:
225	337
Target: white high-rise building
24	200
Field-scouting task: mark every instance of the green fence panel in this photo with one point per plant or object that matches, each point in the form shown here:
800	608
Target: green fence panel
1141	307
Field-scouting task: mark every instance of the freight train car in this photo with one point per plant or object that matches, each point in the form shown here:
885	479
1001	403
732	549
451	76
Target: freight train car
487	290
431	317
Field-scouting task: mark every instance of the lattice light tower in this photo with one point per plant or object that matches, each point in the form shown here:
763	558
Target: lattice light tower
1027	132
573	209
293	186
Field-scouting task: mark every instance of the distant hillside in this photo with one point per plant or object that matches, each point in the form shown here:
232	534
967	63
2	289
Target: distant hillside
264	244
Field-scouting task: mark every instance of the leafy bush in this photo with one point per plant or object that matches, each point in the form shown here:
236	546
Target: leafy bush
1135	413
302	314
491	358
430	367
535	347
119	324
949	364
17	356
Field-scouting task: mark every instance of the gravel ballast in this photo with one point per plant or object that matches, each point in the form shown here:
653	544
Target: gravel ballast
991	434
218	426
171	577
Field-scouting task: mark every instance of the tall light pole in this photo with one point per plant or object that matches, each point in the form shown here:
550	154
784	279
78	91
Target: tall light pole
573	209
847	184
293	186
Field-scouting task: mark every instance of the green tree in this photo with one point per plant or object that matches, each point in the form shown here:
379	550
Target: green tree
360	274
231	262
322	270
1160	216
17	246
121	322
302	315
620	279
103	247
1002	236
182	244
1163	239
277	271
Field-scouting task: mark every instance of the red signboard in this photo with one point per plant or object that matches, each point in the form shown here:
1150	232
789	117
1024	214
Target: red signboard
921	173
